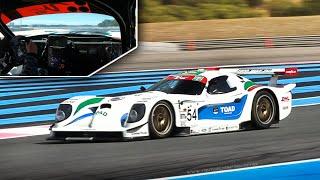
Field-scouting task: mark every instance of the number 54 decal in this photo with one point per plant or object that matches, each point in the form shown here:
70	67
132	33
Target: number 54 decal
191	114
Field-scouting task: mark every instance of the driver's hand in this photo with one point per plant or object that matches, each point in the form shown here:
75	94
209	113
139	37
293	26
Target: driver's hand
31	47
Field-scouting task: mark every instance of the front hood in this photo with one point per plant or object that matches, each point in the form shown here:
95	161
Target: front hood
122	10
104	113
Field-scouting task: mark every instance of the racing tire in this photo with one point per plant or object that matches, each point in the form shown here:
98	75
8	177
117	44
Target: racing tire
161	120
264	110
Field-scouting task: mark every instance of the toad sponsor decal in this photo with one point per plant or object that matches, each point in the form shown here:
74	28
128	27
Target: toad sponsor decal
228	111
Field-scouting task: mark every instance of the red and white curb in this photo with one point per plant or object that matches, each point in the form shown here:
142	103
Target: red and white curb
24	132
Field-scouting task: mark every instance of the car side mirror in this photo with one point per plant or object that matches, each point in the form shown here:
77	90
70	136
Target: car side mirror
142	88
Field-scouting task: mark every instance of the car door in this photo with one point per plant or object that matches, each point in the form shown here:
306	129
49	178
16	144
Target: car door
225	100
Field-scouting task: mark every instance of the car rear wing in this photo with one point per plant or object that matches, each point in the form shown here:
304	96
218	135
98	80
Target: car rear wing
275	73
260	71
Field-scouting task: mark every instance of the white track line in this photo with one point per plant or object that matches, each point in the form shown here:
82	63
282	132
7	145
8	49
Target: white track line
24	132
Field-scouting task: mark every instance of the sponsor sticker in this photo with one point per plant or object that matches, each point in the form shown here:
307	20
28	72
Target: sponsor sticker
139	133
254	71
285	99
117	99
203	130
101	113
228	109
291	71
215	110
183	116
183	124
70	101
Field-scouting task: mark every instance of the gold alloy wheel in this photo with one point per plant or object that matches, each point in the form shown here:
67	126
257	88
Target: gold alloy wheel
265	109
162	119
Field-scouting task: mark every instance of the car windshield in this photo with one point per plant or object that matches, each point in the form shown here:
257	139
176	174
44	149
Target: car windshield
187	87
66	23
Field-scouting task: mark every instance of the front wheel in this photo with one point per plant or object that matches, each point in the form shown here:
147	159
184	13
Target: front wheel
161	120
263	110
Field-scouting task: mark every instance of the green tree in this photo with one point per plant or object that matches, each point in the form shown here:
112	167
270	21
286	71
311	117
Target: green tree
255	3
181	10
312	6
287	8
108	22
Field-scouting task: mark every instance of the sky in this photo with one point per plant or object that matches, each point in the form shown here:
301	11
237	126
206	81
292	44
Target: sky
63	19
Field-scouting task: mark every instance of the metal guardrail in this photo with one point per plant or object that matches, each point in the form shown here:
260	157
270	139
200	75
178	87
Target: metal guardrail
259	42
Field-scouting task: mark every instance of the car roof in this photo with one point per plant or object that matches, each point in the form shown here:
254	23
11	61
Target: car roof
209	74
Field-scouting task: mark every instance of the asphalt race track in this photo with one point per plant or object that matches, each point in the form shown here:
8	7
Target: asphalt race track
297	138
33	101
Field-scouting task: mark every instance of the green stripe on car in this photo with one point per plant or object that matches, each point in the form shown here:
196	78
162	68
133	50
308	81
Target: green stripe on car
248	84
87	103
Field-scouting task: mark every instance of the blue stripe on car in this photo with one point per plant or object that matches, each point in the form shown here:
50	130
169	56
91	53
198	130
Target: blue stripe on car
80	118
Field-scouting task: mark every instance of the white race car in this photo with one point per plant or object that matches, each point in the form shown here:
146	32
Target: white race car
195	102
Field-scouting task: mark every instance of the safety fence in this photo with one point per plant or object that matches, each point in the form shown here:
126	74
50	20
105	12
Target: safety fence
259	42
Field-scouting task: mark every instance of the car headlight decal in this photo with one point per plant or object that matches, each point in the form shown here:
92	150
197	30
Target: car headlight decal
133	115
124	119
63	112
136	113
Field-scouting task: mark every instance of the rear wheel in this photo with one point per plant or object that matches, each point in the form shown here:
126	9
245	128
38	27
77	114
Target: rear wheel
264	110
161	120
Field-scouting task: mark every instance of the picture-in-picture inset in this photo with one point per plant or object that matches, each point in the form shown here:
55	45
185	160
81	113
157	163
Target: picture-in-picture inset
64	38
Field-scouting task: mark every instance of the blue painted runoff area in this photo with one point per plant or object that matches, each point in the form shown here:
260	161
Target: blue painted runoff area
308	169
34	92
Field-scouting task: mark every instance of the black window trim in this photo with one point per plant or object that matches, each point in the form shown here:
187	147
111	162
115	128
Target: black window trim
220	92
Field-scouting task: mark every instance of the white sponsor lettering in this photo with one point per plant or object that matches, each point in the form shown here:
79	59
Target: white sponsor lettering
254	71
228	109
